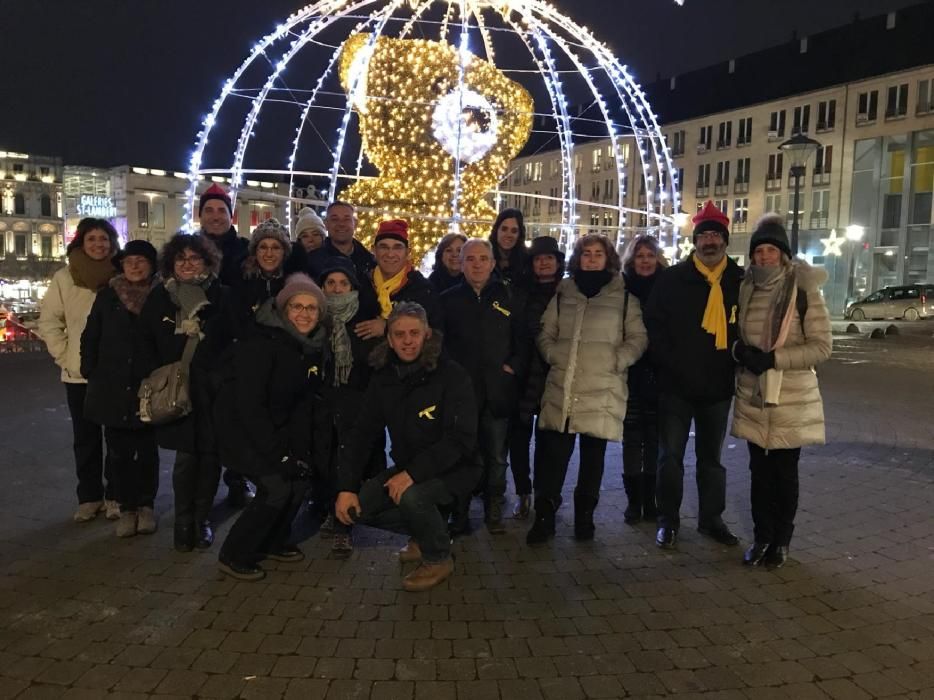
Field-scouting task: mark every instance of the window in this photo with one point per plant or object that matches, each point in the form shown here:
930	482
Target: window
142	213
722	204
802	120
867	107
703	179
17	167
44	171
776	171
820	208
677	143
773	203
578	163
922	178
823	160
706	133
744	135
740	213
894	155
597	160
46	247
742	175
897	103
537	171
19	204
45	205
157	219
555	167
725	136
723	176
19	245
925	95
777	125
679	182
826	115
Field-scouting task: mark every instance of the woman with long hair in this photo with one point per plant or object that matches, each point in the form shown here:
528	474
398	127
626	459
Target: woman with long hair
446	271
508	240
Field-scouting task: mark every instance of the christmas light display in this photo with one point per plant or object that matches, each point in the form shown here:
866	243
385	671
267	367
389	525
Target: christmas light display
441	109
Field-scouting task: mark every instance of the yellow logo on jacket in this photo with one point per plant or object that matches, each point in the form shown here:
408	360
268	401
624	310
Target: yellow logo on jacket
428	413
312	371
504	311
733	315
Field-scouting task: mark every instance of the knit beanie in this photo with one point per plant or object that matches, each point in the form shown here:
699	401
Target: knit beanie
397	229
711	219
137	247
308	219
215	191
769	229
300	283
270	228
339	264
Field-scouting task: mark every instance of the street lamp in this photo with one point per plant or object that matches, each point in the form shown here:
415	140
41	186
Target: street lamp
799	148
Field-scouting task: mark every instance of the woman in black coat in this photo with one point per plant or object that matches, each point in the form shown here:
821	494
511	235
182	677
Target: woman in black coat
265	415
191	301
446	272
508	240
112	357
263	271
643	261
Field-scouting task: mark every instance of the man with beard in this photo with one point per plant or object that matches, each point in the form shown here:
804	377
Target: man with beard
691	320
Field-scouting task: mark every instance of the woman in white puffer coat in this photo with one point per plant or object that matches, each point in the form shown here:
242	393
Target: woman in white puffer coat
784	334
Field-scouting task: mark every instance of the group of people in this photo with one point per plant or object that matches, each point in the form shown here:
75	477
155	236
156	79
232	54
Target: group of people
302	350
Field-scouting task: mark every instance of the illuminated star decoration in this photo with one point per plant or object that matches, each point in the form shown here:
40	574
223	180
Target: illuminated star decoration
834	244
686	246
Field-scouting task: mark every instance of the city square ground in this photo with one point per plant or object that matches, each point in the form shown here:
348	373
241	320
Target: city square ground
85	615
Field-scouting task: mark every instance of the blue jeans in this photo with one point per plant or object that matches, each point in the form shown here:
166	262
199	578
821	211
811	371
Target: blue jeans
417	514
674	426
493	442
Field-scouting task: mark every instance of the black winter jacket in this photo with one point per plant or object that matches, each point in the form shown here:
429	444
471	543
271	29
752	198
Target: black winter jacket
195	432
251	290
688	362
442	280
532	386
265	408
643	376
483	332
431	415
233	251
362	259
112	359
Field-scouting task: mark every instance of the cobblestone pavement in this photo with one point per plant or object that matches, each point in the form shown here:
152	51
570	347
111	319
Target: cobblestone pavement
85	615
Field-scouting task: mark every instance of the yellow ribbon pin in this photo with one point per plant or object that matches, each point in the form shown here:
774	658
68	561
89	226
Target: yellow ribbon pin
733	315
428	413
168	320
505	312
313	371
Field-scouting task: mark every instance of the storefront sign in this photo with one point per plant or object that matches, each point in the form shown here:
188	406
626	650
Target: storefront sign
98	206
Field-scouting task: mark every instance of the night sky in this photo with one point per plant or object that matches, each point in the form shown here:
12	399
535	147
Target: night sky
107	82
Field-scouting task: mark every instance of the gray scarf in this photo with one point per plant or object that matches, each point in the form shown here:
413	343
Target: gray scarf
779	282
268	315
342	308
190	297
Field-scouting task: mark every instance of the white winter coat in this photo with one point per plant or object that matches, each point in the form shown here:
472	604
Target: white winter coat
65	310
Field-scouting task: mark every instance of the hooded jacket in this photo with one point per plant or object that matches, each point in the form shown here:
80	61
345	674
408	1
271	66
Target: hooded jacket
234	250
251	290
798	419
688	362
483	332
265	409
589	346
431	414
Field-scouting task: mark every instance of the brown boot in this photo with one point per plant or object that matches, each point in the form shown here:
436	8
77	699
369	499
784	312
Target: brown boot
427	576
410	553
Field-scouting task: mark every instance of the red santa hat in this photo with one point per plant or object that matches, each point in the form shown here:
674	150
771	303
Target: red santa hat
711	219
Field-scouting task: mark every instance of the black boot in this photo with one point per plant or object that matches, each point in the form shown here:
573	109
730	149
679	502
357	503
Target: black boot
583	517
633	486
649	509
205	534
543	529
184	537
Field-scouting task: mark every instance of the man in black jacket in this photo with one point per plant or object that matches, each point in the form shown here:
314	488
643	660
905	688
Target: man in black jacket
215	215
691	320
427	403
341	222
484	331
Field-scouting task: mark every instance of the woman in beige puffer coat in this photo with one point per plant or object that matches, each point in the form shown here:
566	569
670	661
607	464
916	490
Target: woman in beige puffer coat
591	334
784	334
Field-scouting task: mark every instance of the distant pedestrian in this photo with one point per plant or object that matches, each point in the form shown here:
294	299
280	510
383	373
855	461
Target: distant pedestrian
446	272
784	333
508	240
65	310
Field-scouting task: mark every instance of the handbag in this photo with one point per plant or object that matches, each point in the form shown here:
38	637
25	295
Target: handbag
165	395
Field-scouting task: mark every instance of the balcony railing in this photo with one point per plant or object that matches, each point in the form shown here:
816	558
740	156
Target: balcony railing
741	187
821	178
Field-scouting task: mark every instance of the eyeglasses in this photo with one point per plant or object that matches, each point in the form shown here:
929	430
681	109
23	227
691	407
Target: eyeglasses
189	260
710	235
310	309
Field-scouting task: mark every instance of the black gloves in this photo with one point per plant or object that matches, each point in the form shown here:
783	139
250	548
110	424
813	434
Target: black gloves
296	468
752	358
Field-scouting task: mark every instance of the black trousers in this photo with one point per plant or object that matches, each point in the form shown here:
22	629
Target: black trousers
520	440
194	478
640	437
774	493
90	463
710	422
265	525
135	458
553	452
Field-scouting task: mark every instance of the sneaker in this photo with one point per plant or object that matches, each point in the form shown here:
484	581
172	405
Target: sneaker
88	511
239	493
146	522
326	530
427	576
523	507
126	524
243	572
113	509
410	553
342	545
288	554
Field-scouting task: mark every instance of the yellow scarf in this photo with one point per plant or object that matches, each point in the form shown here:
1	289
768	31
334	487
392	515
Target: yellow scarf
386	288
715	314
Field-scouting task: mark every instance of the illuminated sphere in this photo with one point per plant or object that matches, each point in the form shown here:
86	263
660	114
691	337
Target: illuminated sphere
415	109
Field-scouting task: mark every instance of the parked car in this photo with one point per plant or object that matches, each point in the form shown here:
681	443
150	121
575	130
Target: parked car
910	302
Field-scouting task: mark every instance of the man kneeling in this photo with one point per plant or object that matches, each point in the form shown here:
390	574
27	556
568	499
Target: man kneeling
426	401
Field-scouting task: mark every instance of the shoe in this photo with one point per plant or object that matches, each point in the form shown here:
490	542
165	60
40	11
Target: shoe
146	522
719	532
112	510
649	508
126	525
410	553
243	572
342	545
494	517
288	554
326	529
583	517
756	553
184	537
239	493
523	507
88	511
666	537
459	524
427	576
633	488
205	535
777	557
543	529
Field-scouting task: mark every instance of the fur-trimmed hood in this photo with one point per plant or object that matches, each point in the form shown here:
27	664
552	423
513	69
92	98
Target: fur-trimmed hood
810	278
428	360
